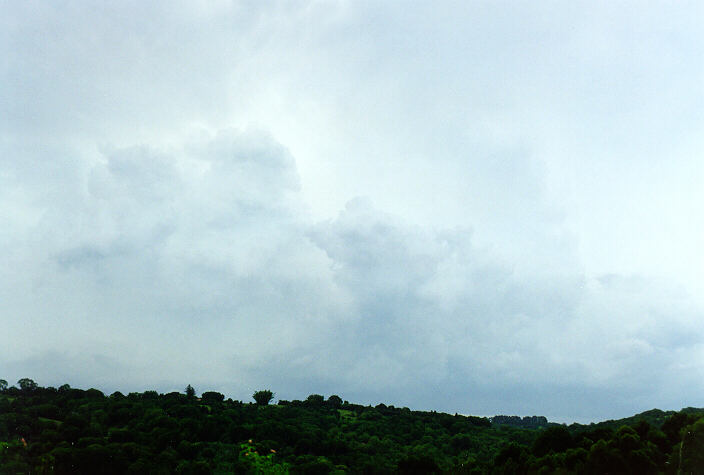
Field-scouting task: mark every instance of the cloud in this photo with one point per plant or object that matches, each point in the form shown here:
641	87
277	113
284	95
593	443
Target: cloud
201	263
178	183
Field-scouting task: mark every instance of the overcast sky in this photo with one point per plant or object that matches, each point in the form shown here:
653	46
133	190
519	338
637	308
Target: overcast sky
474	207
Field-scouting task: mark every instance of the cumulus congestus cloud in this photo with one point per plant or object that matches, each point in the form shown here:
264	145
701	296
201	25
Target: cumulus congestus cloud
180	201
201	262
155	245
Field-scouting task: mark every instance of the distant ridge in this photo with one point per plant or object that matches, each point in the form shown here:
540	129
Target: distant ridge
654	417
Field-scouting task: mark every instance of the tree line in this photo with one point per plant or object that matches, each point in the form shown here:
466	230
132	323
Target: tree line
69	430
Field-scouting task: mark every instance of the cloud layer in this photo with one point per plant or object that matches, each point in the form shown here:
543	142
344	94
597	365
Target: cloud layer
478	208
202	264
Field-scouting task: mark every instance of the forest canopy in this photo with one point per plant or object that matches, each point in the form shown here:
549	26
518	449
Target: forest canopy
69	430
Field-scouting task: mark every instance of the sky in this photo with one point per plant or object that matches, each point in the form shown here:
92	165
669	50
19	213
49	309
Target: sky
483	207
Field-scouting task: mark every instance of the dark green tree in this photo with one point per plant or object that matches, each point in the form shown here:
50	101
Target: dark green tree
3	385
673	425
692	451
27	384
315	400
553	439
212	397
263	397
418	463
334	401
190	392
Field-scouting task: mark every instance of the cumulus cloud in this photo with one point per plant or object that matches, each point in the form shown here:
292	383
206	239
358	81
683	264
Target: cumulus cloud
528	241
209	223
202	263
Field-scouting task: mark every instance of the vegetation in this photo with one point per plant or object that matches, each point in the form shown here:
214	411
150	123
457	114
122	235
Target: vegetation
67	430
263	398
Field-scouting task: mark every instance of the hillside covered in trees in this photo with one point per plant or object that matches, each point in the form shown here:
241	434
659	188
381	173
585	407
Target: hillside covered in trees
68	430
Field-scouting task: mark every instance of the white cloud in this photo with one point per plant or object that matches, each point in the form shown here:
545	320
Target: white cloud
201	262
530	226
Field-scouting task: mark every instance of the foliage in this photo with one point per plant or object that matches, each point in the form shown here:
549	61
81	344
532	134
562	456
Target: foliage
261	464
190	392
334	401
212	397
315	400
45	430
692	448
27	384
263	397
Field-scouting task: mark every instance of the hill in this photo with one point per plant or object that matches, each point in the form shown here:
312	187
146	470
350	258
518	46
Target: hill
68	430
654	417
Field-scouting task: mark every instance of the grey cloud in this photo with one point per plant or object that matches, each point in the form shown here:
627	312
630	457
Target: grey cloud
512	155
200	263
502	329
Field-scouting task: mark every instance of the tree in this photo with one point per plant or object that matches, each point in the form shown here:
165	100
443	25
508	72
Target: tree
3	385
334	401
553	439
190	392
27	384
263	397
315	400
673	425
212	397
692	451
418	463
